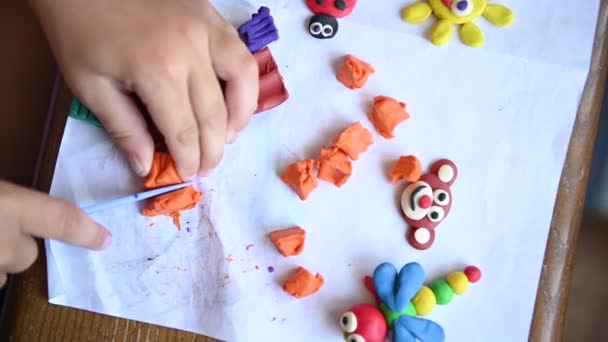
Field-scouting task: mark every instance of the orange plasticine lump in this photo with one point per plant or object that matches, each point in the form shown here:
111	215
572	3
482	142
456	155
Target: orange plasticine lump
354	72
334	166
302	283
163	172
407	168
289	241
386	114
300	177
354	140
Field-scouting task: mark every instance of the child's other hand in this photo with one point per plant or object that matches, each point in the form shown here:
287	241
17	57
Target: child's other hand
170	54
26	214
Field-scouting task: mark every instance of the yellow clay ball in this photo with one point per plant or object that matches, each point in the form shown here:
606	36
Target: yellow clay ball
424	301
458	282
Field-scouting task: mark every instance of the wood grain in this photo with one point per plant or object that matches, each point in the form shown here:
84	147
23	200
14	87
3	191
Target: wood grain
552	296
31	318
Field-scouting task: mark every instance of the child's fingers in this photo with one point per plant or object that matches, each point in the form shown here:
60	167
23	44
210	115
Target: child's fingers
211	115
235	65
36	214
164	91
123	122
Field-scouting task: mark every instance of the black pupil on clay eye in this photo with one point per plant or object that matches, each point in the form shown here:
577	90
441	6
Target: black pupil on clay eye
327	30
316	28
320	2
340	5
345	320
462	5
441	196
434	215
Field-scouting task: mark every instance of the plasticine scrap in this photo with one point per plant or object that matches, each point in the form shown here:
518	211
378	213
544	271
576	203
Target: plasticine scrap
334	166
162	173
289	241
407	168
354	140
260	30
386	114
302	283
354	72
300	177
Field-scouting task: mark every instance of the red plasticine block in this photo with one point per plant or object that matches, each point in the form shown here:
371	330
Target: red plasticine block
272	90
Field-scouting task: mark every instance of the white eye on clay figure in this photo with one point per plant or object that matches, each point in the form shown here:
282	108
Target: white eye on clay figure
328	31
462	8
316	28
355	338
436	214
441	197
416	200
348	322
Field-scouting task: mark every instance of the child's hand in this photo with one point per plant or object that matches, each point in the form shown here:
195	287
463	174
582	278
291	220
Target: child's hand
170	54
25	214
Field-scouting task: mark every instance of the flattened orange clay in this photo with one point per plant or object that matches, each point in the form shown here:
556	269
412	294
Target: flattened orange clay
407	168
354	72
386	114
354	140
289	241
300	177
162	173
302	283
334	166
171	203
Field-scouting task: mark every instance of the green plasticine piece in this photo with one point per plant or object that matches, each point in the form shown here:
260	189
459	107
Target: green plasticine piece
80	112
443	291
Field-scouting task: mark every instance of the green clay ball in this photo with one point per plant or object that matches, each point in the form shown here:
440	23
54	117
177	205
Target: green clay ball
443	292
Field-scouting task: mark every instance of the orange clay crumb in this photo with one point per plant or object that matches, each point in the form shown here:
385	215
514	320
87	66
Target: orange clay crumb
334	166
354	72
354	140
300	177
162	172
289	241
229	258
386	114
302	283
408	168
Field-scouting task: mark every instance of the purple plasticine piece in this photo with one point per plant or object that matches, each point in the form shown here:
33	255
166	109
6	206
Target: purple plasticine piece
260	30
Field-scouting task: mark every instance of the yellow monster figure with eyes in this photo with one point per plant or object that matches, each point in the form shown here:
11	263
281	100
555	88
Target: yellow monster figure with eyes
453	12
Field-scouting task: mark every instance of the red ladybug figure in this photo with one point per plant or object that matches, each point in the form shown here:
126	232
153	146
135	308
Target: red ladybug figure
335	8
427	202
324	23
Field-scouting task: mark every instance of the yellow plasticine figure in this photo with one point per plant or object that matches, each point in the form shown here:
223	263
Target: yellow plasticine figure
452	12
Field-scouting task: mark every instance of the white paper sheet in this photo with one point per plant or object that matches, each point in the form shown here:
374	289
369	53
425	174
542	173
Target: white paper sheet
502	113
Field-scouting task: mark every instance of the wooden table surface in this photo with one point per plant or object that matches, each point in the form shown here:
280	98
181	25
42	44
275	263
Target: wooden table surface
26	95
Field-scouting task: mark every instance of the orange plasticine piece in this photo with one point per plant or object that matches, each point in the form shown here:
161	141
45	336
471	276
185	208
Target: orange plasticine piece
289	241
163	172
171	203
302	283
354	72
386	114
334	166
354	140
408	168
300	177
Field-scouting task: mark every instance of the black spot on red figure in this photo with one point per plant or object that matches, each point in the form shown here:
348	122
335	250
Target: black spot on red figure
326	13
